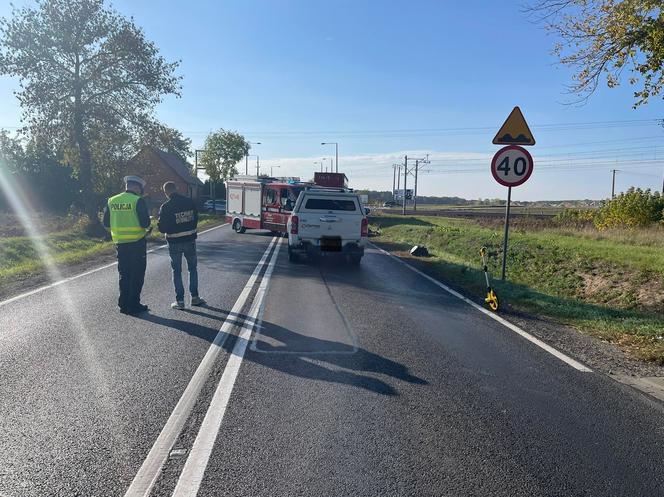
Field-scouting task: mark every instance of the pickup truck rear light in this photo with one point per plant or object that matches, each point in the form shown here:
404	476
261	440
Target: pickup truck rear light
365	226
294	224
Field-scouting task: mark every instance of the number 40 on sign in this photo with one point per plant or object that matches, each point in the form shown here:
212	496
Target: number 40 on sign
512	166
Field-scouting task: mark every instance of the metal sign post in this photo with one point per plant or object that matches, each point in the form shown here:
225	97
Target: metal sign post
511	166
507	230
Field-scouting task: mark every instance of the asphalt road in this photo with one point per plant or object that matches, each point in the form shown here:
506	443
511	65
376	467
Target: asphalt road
325	379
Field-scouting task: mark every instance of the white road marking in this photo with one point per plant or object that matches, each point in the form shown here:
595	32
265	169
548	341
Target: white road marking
565	358
194	469
71	278
154	462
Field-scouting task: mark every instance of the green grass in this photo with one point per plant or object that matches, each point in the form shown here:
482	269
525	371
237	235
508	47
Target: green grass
19	256
604	286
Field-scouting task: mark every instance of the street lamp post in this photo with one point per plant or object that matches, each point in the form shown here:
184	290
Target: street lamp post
246	158
257	164
317	162
212	191
336	152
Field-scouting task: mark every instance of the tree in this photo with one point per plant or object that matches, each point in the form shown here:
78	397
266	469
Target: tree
86	73
602	38
170	140
631	209
223	150
36	169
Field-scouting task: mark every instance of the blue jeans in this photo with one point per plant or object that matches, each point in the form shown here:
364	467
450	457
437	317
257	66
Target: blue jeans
176	251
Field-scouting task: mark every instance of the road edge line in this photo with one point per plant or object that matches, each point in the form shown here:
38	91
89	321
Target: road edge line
192	474
86	273
516	329
151	468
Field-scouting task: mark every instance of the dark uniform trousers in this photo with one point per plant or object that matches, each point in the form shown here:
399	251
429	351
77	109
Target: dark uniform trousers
131	266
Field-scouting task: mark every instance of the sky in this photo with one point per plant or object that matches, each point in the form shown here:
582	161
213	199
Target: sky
387	79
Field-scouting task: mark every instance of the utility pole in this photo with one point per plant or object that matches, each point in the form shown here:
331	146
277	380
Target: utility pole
394	178
417	163
246	158
399	177
425	161
258	168
336	153
613	183
405	180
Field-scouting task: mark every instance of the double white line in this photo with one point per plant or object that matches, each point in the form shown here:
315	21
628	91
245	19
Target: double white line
194	468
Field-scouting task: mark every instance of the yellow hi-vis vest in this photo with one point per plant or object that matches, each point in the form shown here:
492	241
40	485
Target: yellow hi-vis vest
125	226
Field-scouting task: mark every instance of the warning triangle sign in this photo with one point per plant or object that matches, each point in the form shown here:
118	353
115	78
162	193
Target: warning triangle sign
514	131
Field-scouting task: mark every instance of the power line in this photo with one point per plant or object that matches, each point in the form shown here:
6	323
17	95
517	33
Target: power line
626	156
638	164
591	124
610	151
424	131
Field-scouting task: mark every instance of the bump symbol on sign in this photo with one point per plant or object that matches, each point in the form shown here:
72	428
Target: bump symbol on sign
514	131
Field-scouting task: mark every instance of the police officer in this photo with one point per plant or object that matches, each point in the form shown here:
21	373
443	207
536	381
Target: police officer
178	218
127	216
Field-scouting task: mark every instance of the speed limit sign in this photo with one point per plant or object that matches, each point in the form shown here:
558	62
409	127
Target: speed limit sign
512	166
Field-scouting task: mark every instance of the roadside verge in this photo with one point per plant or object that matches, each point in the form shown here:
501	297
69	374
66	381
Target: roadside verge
25	272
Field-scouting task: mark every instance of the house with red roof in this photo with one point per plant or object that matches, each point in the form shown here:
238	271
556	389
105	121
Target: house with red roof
157	167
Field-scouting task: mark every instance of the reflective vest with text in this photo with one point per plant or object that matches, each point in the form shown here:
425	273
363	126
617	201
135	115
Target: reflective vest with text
125	226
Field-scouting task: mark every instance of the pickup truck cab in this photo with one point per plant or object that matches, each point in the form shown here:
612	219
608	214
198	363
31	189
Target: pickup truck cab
326	220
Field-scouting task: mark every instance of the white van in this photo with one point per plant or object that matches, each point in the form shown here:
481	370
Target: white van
328	220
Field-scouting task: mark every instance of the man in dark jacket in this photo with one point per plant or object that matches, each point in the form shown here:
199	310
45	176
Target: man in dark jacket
178	218
126	216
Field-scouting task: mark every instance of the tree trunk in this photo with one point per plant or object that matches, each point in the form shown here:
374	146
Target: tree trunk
84	157
85	170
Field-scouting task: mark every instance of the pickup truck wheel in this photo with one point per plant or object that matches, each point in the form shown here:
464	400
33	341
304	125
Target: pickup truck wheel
355	259
237	226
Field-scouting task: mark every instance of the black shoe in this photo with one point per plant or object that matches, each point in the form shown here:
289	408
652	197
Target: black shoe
132	311
140	308
124	310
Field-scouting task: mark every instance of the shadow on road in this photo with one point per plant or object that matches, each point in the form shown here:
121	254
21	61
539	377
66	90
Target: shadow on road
332	362
194	329
321	354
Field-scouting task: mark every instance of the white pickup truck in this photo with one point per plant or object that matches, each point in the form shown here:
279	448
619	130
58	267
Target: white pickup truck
328	221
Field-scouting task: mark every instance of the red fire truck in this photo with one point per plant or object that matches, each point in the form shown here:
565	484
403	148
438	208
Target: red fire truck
264	203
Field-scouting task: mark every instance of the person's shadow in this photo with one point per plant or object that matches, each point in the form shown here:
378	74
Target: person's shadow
295	356
300	354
